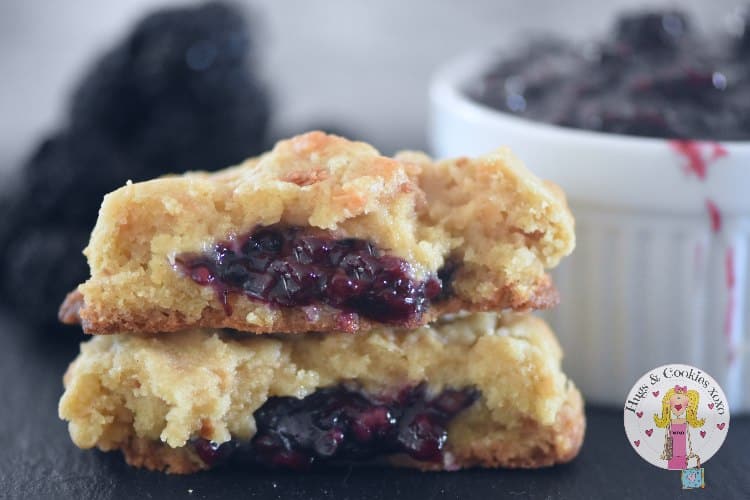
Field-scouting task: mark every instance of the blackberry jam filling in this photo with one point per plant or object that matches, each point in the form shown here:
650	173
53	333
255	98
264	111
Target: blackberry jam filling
290	267
654	76
344	424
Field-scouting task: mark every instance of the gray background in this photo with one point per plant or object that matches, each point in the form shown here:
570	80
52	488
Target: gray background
364	64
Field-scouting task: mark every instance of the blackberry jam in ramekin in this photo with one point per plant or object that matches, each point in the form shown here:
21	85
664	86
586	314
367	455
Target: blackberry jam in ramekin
653	153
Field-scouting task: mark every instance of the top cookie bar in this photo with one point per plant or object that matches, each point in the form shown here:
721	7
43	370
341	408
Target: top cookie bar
322	234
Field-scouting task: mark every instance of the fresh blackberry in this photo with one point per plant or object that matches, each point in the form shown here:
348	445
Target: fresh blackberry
179	93
60	187
41	265
65	180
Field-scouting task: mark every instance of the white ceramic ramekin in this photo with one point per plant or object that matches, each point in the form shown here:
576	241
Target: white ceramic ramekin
660	270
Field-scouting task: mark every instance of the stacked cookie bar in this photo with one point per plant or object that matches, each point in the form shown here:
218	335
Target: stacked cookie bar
325	304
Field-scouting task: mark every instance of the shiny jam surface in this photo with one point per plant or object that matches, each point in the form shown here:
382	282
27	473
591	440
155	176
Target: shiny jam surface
654	76
291	267
342	423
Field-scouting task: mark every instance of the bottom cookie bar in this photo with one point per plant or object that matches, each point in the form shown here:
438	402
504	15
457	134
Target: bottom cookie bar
477	390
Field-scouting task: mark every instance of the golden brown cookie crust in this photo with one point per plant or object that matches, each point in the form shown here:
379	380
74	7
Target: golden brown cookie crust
151	395
500	223
537	446
156	456
292	320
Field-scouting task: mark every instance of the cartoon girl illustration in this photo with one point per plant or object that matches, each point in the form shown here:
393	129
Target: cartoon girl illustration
679	412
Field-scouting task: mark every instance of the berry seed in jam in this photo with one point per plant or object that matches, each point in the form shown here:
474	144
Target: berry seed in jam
344	424
292	267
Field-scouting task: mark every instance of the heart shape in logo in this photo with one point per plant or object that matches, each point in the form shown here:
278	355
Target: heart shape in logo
649	432
710	406
703	434
637	442
678	407
656	394
721	426
639	414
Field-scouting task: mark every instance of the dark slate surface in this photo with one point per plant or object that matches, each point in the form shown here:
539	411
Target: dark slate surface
37	459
